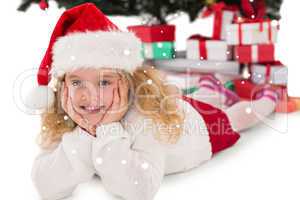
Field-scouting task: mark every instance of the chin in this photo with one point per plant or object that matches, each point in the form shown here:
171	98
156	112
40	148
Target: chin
93	118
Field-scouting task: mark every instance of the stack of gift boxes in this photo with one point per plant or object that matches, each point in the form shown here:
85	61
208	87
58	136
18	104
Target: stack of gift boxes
158	41
254	46
250	42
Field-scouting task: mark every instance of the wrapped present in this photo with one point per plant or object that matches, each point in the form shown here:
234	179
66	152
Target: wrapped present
287	106
297	100
223	15
254	53
274	73
229	85
248	32
158	50
199	47
201	66
246	89
154	33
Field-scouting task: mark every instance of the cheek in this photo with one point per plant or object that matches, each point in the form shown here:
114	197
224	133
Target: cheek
107	95
79	96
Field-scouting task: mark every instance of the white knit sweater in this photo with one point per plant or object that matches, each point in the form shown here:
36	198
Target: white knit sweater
129	160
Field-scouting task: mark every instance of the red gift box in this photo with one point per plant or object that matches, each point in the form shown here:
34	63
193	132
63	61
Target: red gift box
154	33
255	53
247	90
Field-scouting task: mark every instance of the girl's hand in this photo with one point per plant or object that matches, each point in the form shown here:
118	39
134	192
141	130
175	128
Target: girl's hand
76	117
119	105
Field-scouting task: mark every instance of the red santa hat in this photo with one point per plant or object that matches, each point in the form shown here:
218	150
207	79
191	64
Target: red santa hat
83	37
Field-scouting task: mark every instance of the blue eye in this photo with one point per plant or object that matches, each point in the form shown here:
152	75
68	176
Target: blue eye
104	83
76	83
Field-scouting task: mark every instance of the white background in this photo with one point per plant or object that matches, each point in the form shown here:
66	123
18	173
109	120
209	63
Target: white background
263	164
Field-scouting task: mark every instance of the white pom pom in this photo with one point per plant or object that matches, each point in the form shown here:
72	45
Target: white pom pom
41	97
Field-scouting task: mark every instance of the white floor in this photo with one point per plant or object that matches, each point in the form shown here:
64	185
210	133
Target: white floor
263	164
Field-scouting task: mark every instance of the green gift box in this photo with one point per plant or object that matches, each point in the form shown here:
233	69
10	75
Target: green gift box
158	50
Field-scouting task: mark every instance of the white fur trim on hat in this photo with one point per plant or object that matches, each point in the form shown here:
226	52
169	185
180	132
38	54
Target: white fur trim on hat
40	98
113	49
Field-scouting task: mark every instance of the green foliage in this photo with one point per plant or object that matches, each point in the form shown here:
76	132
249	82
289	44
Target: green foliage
156	8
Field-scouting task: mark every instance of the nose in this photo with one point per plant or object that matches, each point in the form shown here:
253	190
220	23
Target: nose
91	96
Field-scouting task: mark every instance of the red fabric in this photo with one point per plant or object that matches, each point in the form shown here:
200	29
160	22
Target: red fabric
154	33
266	53
220	132
82	18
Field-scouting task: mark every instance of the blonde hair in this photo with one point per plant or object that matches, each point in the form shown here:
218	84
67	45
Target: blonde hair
147	82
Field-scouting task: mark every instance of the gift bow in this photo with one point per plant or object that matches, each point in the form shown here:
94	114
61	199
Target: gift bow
250	10
218	8
256	10
202	45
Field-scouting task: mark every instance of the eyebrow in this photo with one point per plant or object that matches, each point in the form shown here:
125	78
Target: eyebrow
73	76
109	76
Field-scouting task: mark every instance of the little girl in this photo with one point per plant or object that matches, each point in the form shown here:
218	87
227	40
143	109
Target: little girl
106	114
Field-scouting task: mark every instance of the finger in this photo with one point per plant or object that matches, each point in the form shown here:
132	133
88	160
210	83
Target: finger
123	92
116	100
64	96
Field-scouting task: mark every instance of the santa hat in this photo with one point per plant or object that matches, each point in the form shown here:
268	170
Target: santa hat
83	37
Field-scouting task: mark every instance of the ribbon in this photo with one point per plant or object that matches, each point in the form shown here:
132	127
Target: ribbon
253	10
268	72
217	9
202	45
44	4
269	67
261	22
202	49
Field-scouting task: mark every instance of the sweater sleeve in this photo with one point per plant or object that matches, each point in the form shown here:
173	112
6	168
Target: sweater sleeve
132	169
56	173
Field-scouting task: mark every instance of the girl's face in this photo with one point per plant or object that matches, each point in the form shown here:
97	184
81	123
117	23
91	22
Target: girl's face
91	91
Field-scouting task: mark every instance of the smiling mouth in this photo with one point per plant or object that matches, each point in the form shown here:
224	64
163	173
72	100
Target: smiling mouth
92	109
